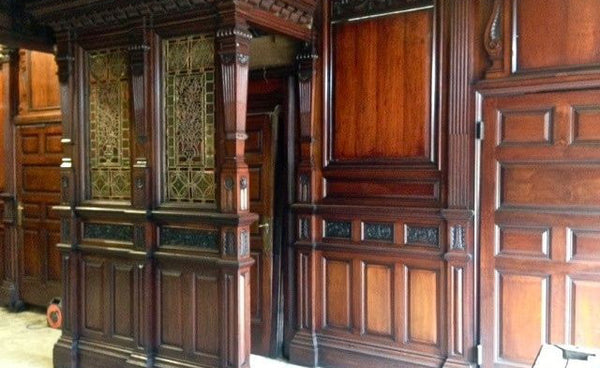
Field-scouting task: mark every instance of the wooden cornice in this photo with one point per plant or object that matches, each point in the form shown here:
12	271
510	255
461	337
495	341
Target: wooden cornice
62	15
20	29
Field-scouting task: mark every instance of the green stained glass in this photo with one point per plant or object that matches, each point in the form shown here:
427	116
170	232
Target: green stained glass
189	109
108	148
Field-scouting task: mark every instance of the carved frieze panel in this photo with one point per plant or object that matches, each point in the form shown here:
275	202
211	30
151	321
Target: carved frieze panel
204	239
378	231
422	235
338	229
189	74
109	125
112	232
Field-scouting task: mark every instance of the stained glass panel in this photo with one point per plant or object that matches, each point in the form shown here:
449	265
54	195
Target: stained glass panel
189	110
109	151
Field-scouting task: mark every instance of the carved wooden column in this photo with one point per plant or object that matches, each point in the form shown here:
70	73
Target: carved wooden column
303	348
144	231
68	343
459	214
233	46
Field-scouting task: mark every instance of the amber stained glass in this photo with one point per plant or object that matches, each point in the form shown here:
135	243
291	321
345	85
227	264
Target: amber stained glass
109	125
189	109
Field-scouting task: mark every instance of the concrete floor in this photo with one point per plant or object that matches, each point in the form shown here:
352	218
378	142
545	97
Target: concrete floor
26	342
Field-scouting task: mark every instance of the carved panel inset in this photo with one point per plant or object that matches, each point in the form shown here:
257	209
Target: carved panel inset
114	232
378	231
338	229
422	235
170	236
109	125
189	110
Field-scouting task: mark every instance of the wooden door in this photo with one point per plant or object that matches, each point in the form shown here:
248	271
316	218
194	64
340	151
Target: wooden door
261	147
38	157
540	224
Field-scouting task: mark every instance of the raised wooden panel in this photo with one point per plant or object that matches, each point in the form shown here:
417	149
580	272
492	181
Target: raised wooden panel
422	296
379	294
382	88
255	287
30	144
526	127
43	79
256	178
551	36
522	302
53	144
583	245
207	315
33	253
337	286
550	185
93	295
53	256
585	311
586	125
384	189
41	178
171	308
527	241
122	308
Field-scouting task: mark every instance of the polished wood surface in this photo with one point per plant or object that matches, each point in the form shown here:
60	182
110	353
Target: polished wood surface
549	37
382	87
539	224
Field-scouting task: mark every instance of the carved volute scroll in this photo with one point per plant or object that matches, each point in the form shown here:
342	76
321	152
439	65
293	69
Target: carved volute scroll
494	40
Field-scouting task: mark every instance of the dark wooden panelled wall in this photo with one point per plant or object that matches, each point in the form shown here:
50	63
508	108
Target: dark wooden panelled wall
427	181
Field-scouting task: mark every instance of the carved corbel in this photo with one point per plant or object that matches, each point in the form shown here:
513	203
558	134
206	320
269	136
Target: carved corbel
65	60
494	40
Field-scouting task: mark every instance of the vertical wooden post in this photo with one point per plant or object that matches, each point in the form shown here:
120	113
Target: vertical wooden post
303	348
233	47
460	212
71	256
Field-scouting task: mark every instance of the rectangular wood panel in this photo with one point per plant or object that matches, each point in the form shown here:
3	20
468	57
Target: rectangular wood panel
526	127
33	253
550	185
550	36
586	124
585	309
379	293
382	87
207	315
43	73
422	294
122	280
528	241
584	245
93	291
522	303
171	308
337	286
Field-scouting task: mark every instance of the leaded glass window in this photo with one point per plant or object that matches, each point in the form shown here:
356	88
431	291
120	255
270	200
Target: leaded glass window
109	125
189	111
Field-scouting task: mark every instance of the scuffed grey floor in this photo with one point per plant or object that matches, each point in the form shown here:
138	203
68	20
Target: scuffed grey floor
26	342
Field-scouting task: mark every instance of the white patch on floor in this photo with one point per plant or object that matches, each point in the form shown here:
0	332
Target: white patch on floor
26	341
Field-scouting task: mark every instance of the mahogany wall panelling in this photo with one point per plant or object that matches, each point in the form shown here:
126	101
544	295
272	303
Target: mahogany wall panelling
38	156
539	225
524	38
4	132
395	99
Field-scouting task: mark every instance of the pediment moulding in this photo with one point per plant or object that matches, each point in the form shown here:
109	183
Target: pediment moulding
62	15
